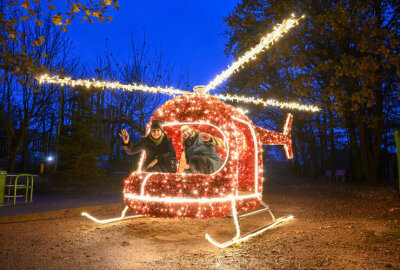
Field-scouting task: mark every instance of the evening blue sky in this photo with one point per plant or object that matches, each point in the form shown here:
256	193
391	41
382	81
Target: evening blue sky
190	33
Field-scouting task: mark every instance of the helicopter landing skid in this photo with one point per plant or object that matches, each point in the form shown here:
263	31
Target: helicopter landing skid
104	221
236	218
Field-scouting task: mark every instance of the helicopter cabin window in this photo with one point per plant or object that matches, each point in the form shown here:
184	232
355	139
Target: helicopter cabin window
200	148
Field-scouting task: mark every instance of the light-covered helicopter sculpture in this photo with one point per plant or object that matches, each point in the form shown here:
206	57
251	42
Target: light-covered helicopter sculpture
237	186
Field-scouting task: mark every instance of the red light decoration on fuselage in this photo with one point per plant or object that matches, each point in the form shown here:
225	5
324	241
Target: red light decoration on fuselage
198	195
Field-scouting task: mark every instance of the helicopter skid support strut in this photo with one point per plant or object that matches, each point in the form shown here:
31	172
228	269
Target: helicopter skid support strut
105	221
238	238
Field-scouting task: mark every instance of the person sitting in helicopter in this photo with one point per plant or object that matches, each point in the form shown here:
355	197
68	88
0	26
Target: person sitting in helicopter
160	153
200	153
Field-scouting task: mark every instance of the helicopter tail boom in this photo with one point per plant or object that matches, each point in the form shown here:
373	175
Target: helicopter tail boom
269	137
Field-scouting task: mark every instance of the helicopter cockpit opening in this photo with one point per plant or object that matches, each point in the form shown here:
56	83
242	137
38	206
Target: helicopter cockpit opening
173	130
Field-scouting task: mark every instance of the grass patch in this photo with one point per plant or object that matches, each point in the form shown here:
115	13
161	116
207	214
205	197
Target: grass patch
392	236
372	237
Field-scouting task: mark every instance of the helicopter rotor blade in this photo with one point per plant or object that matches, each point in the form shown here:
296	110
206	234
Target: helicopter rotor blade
45	78
251	54
172	92
269	103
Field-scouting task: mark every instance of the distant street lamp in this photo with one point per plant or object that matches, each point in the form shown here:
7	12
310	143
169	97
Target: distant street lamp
49	160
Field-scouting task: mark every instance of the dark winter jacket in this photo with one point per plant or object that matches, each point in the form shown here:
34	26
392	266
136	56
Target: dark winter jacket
196	146
164	152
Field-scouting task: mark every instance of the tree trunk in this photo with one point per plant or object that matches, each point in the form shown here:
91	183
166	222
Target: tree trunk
12	156
296	162
313	153
325	152
25	154
355	156
370	151
60	122
332	142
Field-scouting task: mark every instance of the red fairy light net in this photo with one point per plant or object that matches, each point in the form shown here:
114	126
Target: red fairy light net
198	195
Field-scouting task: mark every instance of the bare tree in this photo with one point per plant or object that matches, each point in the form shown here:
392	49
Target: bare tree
23	103
146	64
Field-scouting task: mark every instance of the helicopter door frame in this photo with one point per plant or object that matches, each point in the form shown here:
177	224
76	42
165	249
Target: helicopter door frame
255	153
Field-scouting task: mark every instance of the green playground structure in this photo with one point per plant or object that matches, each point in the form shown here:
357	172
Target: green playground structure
11	184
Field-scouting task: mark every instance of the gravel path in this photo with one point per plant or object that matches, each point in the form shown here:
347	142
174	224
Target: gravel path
43	203
336	226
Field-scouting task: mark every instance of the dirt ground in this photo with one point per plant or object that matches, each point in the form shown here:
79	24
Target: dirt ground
336	226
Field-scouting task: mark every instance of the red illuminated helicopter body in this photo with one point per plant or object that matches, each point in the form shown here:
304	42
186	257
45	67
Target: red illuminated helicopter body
240	179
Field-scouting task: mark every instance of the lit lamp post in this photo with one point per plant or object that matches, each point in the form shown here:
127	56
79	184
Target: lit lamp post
49	160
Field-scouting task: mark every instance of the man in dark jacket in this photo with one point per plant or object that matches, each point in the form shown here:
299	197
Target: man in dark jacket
160	153
200	153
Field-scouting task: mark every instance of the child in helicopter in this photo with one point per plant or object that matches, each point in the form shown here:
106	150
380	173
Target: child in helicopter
160	153
200	153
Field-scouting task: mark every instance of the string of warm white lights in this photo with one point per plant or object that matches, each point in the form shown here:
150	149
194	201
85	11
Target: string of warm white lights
104	221
173	92
251	54
269	103
247	236
45	78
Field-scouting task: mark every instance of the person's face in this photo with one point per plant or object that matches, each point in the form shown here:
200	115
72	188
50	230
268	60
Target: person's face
155	133
186	131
